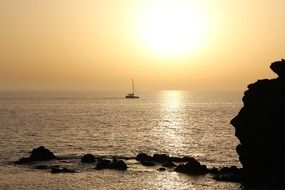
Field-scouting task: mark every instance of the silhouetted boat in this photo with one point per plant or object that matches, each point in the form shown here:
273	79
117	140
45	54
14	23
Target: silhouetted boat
132	95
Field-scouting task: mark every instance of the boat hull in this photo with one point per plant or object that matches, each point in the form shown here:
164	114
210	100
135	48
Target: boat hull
131	97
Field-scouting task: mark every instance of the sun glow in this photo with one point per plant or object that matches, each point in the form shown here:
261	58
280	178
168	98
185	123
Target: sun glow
173	27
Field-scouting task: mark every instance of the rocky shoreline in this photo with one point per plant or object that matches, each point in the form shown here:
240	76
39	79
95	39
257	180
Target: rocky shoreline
42	158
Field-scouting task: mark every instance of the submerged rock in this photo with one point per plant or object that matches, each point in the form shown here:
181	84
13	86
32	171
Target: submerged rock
88	158
229	177
260	128
108	164
57	169
148	163
41	167
103	164
232	169
143	157
161	169
168	164
192	168
38	154
119	165
231	174
162	158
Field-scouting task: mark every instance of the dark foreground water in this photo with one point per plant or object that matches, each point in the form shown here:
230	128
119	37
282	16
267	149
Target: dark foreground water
178	123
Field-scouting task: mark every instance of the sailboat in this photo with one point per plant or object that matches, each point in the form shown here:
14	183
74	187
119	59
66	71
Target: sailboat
132	95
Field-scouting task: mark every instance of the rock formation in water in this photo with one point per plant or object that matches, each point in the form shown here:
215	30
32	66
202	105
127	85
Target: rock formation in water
189	164
192	168
38	154
108	164
88	158
260	127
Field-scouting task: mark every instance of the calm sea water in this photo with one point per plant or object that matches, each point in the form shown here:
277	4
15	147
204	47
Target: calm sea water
178	123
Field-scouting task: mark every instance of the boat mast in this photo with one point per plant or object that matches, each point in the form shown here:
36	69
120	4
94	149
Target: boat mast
133	86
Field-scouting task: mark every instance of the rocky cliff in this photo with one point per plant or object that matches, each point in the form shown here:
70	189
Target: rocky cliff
260	127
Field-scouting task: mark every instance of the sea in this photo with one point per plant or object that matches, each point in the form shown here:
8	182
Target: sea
71	124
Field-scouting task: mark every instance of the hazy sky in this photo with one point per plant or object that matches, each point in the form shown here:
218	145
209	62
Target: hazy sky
102	44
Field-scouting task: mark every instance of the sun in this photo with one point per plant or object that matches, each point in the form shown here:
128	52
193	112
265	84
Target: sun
172	28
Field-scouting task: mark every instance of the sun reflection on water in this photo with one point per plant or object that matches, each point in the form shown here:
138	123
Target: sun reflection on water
172	119
172	180
172	100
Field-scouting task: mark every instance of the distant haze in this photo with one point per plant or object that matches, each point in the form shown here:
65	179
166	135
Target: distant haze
103	44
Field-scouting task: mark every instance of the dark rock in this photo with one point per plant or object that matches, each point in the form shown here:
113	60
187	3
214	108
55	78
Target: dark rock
232	169
169	165
88	158
183	159
103	164
23	160
38	154
194	162
278	67
230	177
192	168
260	128
42	154
230	174
162	158
41	167
108	164
143	157
148	163
57	169
119	165
161	169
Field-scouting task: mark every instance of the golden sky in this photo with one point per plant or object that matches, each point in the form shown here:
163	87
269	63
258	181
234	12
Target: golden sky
163	44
